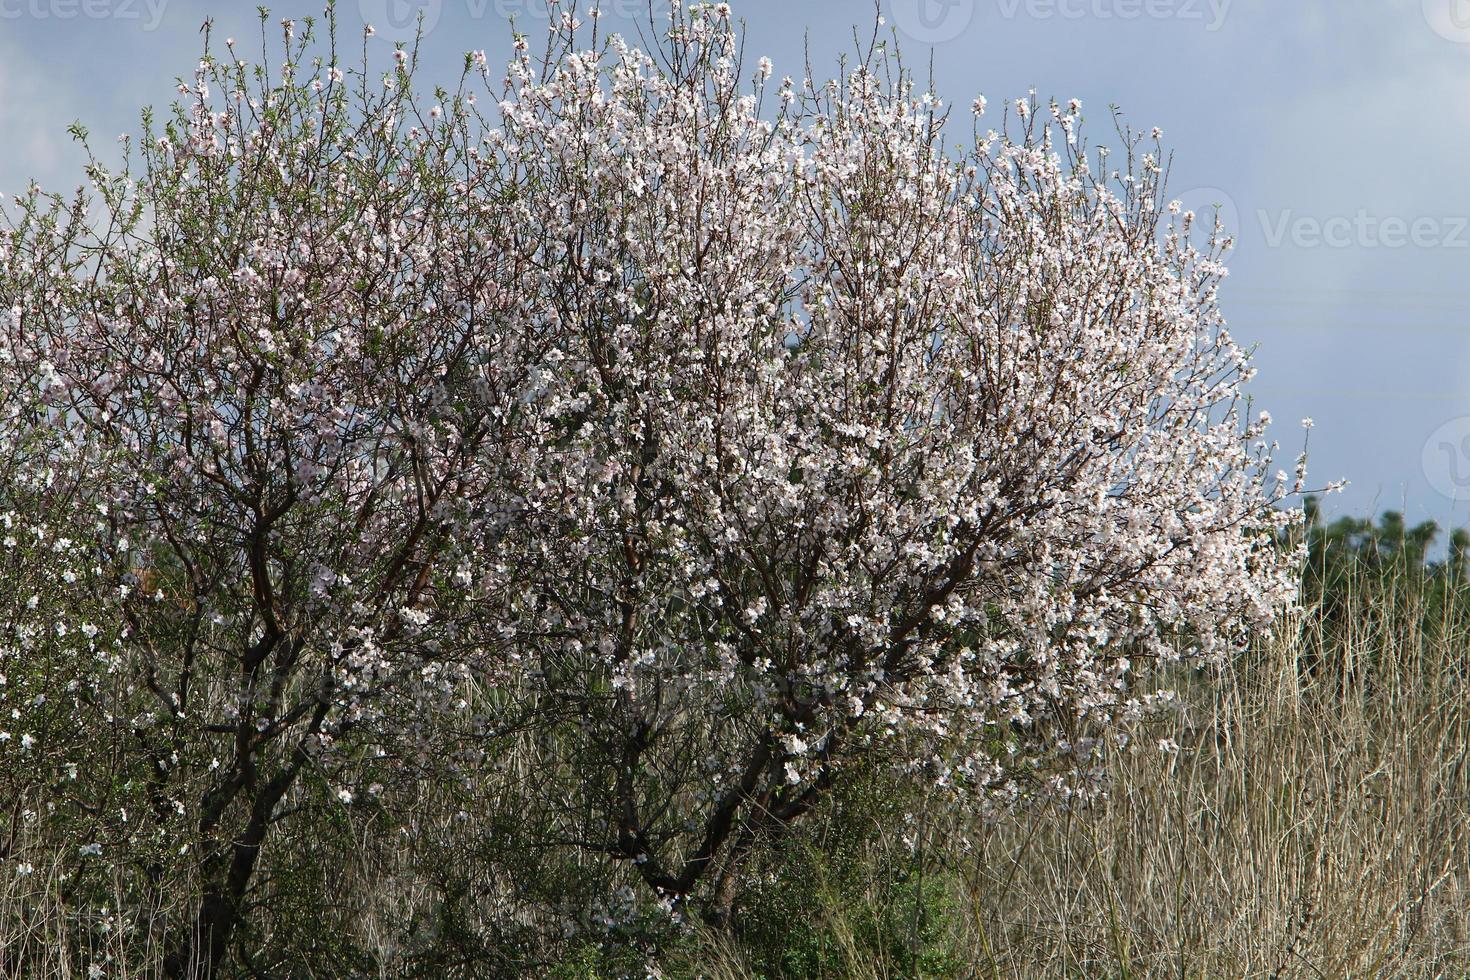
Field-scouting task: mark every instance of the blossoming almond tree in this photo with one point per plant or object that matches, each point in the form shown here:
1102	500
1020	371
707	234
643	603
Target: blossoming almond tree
294	347
869	448
719	431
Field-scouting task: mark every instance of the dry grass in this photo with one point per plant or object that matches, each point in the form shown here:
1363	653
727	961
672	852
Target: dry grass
1313	825
43	934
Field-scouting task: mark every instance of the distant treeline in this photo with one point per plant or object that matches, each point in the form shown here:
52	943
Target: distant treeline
1388	557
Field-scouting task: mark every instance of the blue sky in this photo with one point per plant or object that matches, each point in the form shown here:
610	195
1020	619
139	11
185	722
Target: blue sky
1335	135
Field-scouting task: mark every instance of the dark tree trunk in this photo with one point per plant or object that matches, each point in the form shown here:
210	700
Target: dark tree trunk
197	955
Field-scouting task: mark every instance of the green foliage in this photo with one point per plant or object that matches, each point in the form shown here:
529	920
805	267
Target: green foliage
863	882
600	961
1391	561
